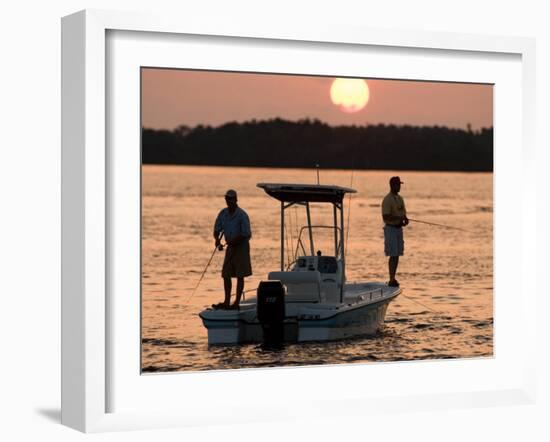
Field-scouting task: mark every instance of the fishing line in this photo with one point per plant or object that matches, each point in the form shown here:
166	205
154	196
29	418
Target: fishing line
437	312
420	303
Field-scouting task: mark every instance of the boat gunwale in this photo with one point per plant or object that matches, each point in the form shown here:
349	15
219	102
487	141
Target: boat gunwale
350	308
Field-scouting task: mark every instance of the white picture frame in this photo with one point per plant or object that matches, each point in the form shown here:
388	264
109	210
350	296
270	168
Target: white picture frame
87	205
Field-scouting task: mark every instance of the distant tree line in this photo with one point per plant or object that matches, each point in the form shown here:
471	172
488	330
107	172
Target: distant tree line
304	143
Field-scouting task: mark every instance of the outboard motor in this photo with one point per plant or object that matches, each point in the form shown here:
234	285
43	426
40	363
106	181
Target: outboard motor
271	310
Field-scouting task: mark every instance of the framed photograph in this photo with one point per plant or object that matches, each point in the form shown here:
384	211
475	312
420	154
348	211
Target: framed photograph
234	206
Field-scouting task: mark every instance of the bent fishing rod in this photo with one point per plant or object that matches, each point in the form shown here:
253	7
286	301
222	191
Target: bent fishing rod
216	248
439	225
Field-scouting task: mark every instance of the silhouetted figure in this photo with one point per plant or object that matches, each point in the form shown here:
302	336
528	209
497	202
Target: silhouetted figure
235	225
394	215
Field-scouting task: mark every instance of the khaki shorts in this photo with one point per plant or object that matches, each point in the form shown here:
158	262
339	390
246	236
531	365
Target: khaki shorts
393	241
237	261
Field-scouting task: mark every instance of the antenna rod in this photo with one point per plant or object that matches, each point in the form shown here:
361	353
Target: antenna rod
317	167
349	209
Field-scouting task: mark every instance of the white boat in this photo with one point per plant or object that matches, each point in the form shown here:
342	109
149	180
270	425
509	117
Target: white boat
309	299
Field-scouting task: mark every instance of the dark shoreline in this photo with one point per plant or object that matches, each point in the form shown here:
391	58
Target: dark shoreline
327	169
303	144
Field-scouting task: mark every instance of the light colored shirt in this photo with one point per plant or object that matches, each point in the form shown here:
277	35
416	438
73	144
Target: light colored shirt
233	224
393	205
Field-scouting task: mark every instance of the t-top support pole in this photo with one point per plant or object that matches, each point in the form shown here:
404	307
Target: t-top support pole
282	236
335	230
342	250
310	230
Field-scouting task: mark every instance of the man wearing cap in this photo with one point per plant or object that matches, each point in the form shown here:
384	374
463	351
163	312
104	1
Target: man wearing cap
395	218
234	223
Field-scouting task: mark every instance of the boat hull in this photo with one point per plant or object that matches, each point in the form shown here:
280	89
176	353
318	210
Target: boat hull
358	322
361	319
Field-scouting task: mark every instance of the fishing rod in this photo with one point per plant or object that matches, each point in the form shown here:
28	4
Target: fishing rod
218	247
440	225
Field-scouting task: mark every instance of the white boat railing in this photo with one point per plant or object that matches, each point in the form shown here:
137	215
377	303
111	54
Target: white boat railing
369	295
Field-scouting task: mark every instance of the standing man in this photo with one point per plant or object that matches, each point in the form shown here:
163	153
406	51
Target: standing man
395	218
233	222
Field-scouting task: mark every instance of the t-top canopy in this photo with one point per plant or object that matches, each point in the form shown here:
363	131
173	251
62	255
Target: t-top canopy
316	193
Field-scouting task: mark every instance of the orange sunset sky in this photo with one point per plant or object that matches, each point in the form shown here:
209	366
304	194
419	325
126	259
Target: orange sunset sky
173	97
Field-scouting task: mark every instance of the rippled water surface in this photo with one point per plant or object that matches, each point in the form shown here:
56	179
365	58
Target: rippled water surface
446	310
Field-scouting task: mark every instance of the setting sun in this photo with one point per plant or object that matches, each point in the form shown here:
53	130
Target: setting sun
349	94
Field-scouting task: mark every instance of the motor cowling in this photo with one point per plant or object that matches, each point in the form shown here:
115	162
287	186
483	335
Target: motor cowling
271	310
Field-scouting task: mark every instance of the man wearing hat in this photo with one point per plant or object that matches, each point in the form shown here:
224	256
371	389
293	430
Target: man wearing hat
395	218
234	224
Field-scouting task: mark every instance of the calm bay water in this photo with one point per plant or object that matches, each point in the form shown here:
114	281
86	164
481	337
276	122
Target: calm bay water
446	310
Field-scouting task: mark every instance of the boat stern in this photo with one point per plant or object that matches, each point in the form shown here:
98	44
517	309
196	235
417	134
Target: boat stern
231	326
